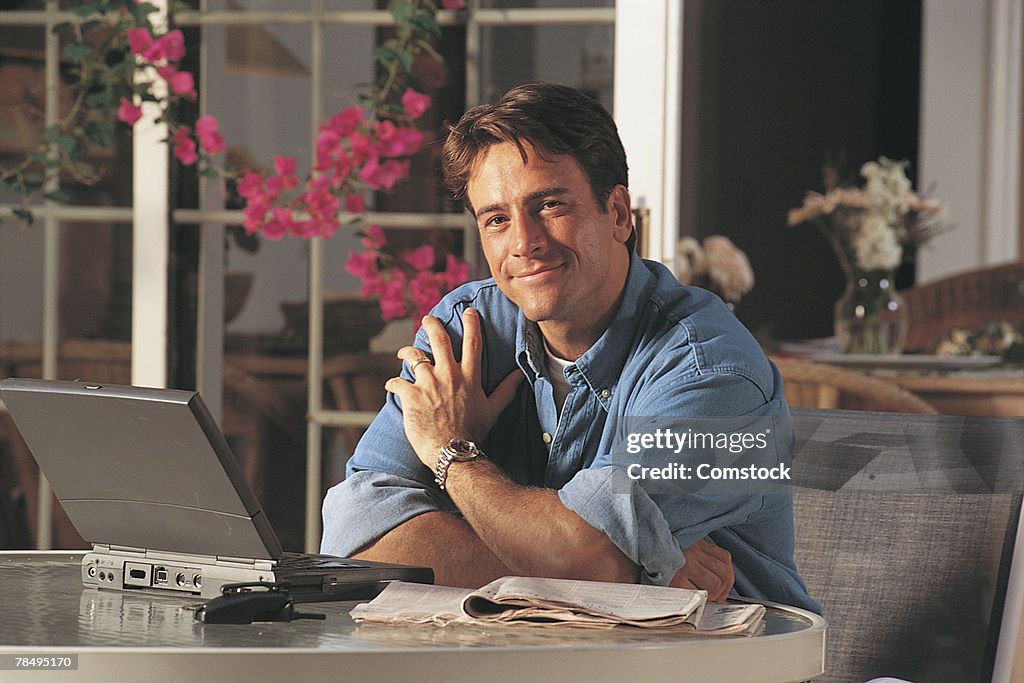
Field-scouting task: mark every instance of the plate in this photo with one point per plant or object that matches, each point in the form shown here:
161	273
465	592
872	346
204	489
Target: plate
870	361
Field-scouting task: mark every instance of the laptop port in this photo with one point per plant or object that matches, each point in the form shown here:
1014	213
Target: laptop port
137	574
180	579
160	575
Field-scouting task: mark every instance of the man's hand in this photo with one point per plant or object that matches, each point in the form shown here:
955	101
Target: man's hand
447	400
707	567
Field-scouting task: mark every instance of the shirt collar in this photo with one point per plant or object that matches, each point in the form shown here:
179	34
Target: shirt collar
602	364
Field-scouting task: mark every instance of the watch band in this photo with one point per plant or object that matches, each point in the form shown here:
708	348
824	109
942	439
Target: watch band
456	450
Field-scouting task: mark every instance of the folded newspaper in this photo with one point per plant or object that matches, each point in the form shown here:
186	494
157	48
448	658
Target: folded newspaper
596	604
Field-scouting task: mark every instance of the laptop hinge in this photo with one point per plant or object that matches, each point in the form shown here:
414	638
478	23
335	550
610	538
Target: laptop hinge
120	549
246	562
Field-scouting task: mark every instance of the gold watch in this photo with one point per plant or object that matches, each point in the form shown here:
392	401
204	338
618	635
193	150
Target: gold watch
456	450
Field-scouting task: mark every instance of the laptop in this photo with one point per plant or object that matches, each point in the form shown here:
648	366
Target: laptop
146	476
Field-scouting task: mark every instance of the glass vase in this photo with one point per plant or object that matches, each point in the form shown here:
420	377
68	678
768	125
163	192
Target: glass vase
870	316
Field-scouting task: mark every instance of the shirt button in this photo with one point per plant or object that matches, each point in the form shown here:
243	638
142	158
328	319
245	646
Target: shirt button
546	437
605	393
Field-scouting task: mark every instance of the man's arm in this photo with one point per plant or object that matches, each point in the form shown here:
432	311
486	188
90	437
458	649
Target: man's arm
529	530
444	542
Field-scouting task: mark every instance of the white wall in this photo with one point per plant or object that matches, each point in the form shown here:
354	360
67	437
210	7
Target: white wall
970	130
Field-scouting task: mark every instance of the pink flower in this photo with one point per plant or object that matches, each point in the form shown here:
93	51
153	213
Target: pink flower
209	137
180	82
129	112
456	272
173	45
250	185
396	142
415	103
375	238
328	145
420	258
383	175
361	146
284	165
453	4
392	297
354	203
184	146
345	122
373	284
254	214
361	264
425	291
139	40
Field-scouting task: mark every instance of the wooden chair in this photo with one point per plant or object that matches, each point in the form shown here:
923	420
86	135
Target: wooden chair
971	299
817	385
356	382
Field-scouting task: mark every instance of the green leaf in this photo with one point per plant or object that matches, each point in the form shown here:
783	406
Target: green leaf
63	27
100	95
386	52
58	196
400	10
85	9
77	51
426	23
39	157
142	12
209	172
100	132
406	59
51	134
66	143
24	214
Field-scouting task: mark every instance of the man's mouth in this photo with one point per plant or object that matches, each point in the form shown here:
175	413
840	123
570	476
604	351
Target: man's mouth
539	273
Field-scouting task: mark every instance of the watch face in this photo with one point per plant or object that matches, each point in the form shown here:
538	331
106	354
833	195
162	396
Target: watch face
463	450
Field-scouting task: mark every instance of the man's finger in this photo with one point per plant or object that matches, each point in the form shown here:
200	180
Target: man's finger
472	346
440	344
398	386
505	391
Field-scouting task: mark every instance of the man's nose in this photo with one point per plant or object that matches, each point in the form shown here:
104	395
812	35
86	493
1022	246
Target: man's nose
530	236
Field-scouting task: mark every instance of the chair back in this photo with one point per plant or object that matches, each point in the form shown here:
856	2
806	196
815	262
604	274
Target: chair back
819	385
971	299
906	527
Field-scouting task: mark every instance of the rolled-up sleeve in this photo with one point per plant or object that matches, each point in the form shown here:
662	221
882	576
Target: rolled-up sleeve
386	485
606	499
652	528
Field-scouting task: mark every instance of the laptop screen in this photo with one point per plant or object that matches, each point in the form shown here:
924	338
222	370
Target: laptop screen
140	468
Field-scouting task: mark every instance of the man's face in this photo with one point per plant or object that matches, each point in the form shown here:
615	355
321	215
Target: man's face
550	247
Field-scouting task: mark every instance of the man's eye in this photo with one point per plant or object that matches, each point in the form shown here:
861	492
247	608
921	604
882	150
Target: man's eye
551	204
496	221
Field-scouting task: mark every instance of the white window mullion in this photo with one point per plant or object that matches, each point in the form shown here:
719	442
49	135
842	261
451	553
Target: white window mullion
648	40
150	247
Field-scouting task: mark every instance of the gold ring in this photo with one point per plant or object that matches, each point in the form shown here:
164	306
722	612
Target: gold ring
416	363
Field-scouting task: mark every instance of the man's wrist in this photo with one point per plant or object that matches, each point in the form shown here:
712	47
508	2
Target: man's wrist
455	451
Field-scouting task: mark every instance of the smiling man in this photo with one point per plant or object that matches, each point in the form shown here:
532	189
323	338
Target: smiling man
493	454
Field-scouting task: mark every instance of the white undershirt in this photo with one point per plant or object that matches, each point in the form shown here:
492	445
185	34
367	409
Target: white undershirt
556	372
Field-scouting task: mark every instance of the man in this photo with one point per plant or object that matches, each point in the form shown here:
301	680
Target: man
534	365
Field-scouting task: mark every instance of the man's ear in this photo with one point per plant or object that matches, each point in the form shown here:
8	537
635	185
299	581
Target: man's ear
620	208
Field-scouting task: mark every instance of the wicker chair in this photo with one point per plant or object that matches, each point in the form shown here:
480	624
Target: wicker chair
970	299
817	385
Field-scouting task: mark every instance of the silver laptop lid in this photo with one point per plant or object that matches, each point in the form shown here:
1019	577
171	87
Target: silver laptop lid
140	468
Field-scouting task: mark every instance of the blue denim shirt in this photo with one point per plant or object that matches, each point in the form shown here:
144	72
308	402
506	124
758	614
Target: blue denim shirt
669	351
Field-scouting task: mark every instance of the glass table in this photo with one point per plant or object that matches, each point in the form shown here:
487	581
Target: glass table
110	634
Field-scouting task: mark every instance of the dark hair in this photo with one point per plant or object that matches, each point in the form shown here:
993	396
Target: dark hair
552	118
